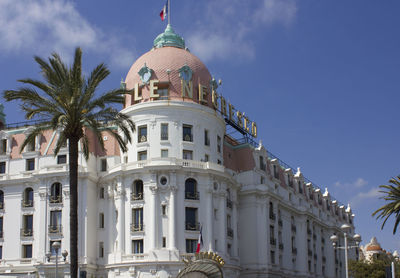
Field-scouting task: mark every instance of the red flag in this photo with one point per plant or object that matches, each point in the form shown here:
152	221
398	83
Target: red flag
164	12
200	241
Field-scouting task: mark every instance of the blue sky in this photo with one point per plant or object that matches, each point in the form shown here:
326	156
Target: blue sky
320	78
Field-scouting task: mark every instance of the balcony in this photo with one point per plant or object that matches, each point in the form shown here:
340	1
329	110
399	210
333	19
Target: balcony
293	228
272	241
192	226
136	196
55	229
27	203
280	222
137	227
229	203
26	232
281	245
192	195
294	251
55	199
272	216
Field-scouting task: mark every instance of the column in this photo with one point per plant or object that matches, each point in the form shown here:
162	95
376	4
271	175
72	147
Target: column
172	218
235	230
301	243
222	222
210	219
41	229
153	218
119	197
110	219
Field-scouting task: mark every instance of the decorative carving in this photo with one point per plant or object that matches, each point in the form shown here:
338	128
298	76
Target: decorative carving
153	189
185	73
42	195
145	74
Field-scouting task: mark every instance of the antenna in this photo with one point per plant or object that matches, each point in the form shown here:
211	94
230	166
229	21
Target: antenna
169	11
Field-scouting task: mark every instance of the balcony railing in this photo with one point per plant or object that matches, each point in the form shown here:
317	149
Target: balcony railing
192	226
230	232
192	195
55	199
280	222
281	245
137	196
188	137
137	227
25	232
229	203
293	228
272	241
294	251
27	203
55	229
164	136
272	216
142	139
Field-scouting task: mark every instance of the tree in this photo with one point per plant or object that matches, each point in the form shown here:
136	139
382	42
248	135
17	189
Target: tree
392	195
373	269
67	103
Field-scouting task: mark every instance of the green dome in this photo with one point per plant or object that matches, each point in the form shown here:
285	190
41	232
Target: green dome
169	38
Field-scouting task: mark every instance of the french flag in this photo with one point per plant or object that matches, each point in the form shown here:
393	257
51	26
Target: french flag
164	11
200	241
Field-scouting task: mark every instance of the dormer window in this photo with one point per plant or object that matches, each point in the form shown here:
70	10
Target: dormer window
276	172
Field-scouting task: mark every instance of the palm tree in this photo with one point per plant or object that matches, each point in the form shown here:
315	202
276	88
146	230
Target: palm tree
67	103
392	195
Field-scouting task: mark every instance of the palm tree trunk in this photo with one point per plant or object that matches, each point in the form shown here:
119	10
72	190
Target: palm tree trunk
73	210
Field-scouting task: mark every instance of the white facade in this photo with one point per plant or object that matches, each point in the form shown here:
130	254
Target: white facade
140	212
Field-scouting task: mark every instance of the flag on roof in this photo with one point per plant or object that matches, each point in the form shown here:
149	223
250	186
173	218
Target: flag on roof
164	11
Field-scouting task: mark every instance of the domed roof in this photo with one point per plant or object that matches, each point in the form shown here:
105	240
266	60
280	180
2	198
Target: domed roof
373	245
167	62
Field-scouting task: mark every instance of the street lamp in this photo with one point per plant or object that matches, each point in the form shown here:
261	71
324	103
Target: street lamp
356	238
56	245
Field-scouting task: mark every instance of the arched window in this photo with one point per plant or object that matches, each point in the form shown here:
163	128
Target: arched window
1	199
55	193
191	189
137	190
27	200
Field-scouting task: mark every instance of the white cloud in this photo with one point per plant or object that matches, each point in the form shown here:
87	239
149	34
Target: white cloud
225	26
358	183
363	197
45	26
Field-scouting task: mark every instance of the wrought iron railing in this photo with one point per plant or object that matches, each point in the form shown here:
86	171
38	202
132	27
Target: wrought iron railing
137	196
55	229
55	199
192	226
230	232
192	195
26	232
26	203
137	227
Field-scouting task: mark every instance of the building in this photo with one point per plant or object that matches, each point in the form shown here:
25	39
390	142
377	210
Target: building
140	213
373	250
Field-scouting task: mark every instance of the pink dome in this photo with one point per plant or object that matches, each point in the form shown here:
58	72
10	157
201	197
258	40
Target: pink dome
165	63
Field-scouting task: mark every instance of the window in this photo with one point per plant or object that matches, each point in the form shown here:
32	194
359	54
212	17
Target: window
101	220
55	193
164	132
101	249
300	187
1	227
101	192
27	200
162	91
271	211
53	250
219	144
191	245
103	166
2	167
164	242
62	159
206	138
27	251
164	210
188	155
27	229
137	190
164	153
3	146
276	173
187	133
262	164
228	221
229	247
137	219
215	214
142	134
206	158
30	164
1	199
1	252
191	219
272	257
137	246
142	155
55	222
191	189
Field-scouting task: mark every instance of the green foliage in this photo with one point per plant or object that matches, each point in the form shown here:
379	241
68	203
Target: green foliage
374	269
392	196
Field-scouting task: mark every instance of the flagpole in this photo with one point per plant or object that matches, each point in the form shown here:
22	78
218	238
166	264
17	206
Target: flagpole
169	12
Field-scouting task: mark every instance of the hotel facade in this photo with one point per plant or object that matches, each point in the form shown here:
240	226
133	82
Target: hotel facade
141	212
